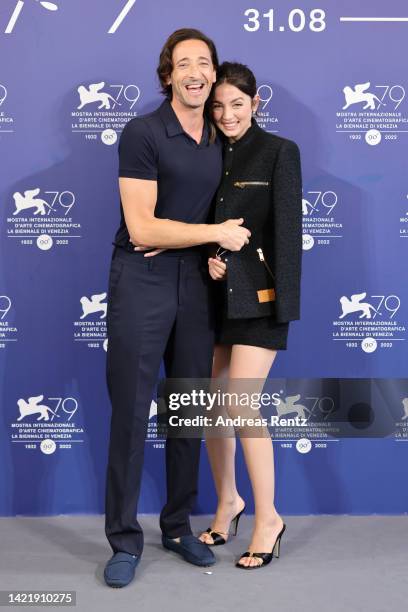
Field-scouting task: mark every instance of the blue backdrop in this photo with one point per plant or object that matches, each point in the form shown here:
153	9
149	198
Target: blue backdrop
71	75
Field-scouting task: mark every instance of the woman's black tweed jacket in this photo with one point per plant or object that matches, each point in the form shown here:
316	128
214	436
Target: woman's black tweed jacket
262	183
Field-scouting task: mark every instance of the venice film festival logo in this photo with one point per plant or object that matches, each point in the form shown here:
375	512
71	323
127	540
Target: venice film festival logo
313	414
91	325
369	323
401	432
403	220
104	109
53	6
43	218
8	329
405	409
404	416
6	120
154	435
372	111
320	225
46	423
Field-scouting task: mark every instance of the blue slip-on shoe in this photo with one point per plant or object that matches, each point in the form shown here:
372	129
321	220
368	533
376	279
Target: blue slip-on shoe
120	569
191	549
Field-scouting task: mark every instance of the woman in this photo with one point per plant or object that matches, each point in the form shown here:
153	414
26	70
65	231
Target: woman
257	294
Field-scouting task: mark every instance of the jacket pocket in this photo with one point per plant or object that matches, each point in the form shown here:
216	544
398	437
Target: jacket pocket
262	258
243	184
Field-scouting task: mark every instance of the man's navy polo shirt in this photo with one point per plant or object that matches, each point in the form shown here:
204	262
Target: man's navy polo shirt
155	147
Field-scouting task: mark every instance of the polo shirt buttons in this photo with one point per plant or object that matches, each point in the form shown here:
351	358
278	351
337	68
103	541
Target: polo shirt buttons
221	199
230	149
230	290
227	172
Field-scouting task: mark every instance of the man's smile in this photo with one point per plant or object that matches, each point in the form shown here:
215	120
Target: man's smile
195	88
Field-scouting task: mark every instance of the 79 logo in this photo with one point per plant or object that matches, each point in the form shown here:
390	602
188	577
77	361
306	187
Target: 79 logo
60	200
36	407
96	93
3	94
320	201
265	93
5	305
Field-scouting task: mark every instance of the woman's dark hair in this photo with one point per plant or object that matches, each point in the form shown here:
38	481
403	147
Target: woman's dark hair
238	75
165	66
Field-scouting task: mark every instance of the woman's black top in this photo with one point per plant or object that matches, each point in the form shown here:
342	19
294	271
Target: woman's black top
262	183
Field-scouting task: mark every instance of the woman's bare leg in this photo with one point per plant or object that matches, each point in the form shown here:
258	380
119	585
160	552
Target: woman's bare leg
255	363
221	454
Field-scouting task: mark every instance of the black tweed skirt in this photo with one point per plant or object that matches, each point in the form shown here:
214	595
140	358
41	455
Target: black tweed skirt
258	331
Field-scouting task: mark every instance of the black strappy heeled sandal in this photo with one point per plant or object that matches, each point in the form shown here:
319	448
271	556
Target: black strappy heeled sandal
266	557
218	540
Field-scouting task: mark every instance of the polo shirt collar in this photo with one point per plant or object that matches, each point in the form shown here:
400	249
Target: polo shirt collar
173	125
169	117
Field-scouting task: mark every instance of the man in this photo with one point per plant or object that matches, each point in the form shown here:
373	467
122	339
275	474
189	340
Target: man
159	307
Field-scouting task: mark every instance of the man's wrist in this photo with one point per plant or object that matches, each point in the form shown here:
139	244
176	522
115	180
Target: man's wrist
214	233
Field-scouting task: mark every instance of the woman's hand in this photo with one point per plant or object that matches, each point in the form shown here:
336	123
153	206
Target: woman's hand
217	268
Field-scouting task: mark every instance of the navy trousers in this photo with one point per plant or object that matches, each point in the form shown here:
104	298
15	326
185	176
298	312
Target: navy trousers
158	308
